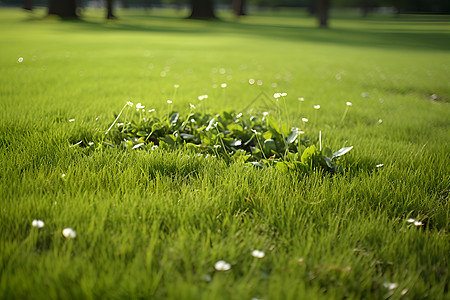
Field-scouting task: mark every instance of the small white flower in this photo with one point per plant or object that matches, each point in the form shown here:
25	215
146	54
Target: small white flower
277	95
216	146
404	292
154	147
91	143
63	175
418	223
202	97
69	233
223	85
265	114
38	223
192	106
222	265
304	120
348	103
379	165
169	101
410	220
176	86
71	120
129	103
238	115
254	131
380	121
301	132
317	106
119	124
151	110
301	99
258	254
390	285
251	81
259	82
20	59
139	105
283	94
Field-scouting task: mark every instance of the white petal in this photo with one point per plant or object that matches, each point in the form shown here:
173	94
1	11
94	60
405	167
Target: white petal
69	233
258	254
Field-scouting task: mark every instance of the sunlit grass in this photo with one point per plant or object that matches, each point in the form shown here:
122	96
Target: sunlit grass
156	224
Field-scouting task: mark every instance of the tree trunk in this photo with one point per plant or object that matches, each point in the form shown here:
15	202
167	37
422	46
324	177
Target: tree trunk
109	10
322	12
239	7
312	7
202	9
63	8
364	8
28	5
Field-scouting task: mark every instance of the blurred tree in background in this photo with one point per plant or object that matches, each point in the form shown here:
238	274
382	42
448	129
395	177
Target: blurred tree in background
63	8
202	9
205	9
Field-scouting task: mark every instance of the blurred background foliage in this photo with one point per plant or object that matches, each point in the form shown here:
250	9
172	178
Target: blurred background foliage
395	6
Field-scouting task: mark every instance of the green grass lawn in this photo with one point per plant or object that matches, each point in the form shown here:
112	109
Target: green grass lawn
153	224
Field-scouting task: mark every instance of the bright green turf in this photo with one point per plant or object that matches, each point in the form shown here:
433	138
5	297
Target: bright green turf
152	225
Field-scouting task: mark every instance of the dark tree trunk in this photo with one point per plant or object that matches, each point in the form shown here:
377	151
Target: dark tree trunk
109	10
239	7
364	8
28	5
312	7
202	9
322	12
63	8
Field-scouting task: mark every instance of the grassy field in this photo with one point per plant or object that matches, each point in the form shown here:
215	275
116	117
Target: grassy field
152	225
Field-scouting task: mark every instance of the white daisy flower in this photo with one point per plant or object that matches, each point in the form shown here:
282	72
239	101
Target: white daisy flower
69	233
390	285
222	265
258	254
38	223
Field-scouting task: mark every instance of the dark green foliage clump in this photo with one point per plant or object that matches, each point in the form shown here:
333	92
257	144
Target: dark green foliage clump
261	141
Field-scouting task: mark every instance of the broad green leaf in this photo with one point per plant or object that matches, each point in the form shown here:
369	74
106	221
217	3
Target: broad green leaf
187	136
342	151
235	143
327	152
235	127
174	118
308	155
267	135
292	136
269	146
